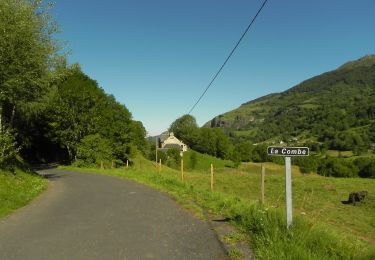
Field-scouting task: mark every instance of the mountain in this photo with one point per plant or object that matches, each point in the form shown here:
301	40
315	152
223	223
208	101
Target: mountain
335	105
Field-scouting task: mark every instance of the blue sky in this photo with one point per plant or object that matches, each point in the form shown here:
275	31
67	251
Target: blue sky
157	57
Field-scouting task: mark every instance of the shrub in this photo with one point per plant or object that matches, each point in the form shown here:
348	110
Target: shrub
337	168
193	160
93	150
366	167
306	164
8	149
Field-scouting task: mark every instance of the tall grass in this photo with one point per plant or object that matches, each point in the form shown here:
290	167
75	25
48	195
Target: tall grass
265	224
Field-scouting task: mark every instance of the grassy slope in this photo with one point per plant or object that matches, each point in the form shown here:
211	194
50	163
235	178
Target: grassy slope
203	161
313	94
324	227
17	189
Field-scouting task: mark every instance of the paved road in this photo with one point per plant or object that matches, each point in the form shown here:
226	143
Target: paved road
88	216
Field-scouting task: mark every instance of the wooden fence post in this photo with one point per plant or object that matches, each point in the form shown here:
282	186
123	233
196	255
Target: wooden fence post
127	163
182	169
212	177
263	173
159	165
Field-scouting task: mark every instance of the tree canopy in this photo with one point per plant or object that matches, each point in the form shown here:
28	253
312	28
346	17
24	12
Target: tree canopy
50	110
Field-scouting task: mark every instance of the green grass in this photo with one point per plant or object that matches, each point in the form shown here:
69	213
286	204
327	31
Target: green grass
17	189
323	227
203	161
336	153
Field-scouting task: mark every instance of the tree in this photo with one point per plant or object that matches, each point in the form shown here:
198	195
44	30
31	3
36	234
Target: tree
79	107
27	53
8	149
207	142
366	167
337	168
186	129
72	110
92	150
193	160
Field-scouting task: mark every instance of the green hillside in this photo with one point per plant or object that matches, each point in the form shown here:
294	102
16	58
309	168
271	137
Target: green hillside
336	109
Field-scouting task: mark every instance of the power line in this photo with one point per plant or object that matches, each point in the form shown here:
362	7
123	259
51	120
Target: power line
229	56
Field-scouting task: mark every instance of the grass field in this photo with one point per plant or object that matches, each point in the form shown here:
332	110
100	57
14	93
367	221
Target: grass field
17	189
203	161
324	227
336	153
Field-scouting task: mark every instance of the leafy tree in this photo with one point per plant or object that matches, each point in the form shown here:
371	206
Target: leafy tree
366	167
186	129
307	164
224	147
259	153
139	136
207	141
244	151
193	160
173	158
8	148
337	168
79	108
27	53
92	150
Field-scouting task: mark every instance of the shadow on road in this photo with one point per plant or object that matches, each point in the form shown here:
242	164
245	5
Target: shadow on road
50	176
45	166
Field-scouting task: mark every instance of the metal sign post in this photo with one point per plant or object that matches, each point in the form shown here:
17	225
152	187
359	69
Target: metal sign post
287	152
288	192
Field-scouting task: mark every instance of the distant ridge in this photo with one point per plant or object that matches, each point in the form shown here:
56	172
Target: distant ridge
260	99
336	101
365	61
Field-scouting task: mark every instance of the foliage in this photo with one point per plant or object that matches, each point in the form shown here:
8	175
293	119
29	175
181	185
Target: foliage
28	55
173	158
366	167
79	108
48	105
27	48
308	164
193	160
204	140
92	150
186	129
8	148
337	168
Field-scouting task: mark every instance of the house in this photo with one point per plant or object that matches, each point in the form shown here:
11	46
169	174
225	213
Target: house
172	142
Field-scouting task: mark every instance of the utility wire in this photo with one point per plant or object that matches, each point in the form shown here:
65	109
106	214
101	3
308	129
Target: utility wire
229	56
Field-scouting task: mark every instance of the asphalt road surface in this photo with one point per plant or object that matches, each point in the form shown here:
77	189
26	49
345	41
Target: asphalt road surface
89	216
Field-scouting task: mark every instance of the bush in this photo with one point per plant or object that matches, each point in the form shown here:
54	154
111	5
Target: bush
306	164
366	167
337	168
8	149
173	158
93	150
193	160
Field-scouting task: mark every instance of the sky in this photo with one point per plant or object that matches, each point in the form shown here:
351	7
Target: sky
157	56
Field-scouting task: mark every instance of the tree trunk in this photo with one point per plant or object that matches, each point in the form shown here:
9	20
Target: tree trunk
1	118
12	116
69	152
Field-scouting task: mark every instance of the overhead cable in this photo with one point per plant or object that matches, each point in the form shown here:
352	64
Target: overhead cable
229	56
